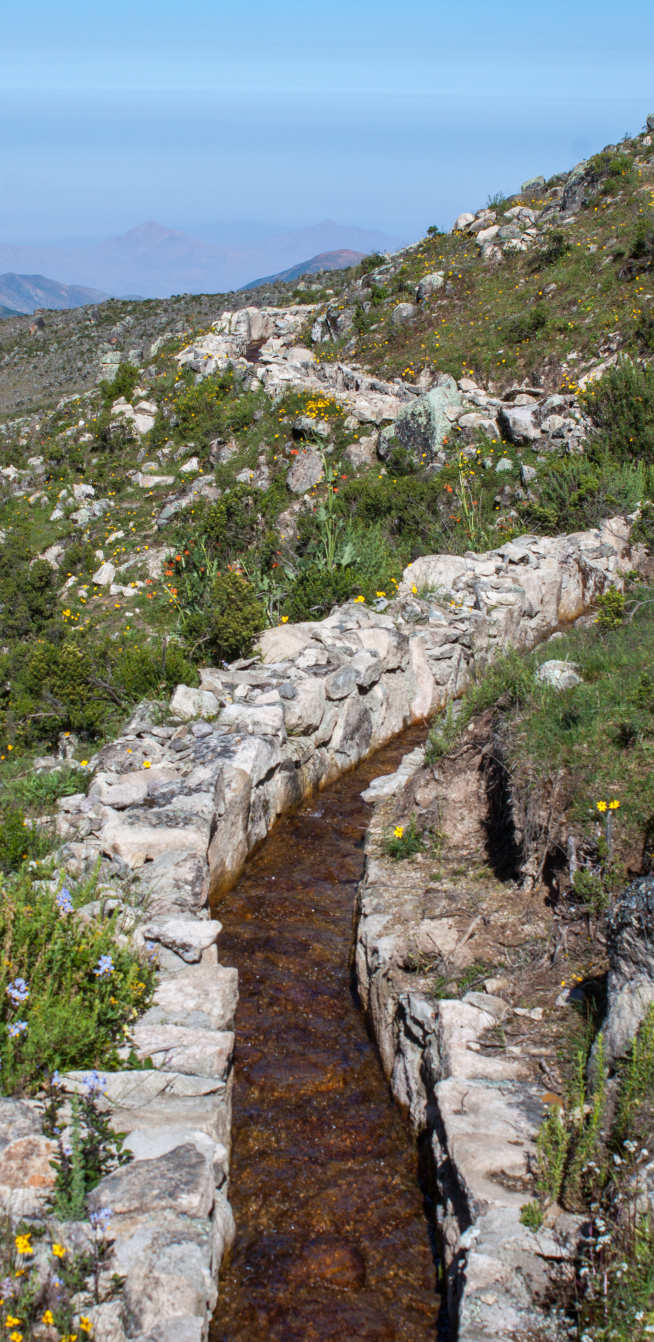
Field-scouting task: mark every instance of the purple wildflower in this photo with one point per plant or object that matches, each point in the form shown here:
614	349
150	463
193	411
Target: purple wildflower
18	991
104	967
64	901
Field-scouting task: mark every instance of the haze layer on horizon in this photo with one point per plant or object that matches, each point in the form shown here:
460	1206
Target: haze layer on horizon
283	114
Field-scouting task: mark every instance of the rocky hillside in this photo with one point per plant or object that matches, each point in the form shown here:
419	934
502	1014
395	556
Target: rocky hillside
178	476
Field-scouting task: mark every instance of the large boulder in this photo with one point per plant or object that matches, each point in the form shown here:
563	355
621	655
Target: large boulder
630	945
519	425
422	426
430	284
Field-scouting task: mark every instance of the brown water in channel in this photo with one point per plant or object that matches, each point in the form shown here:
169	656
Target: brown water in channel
332	1239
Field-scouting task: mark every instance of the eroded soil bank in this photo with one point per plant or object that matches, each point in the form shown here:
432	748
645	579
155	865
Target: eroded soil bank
333	1241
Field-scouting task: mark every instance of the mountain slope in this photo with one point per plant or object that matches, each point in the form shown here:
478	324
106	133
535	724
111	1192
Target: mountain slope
339	260
26	293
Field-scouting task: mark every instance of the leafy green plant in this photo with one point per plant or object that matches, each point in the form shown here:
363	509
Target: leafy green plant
532	1215
87	1146
591	889
315	590
610	608
371	262
123	383
621	408
527	325
404	841
636	1083
20	840
67	990
555	246
225	623
43	1292
70	683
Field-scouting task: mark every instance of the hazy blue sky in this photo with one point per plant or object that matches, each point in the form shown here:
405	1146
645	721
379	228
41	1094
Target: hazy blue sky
387	115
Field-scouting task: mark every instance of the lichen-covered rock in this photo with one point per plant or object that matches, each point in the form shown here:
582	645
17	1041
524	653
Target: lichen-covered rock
630	945
421	428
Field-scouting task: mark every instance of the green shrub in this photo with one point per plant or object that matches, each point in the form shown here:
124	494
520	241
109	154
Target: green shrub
591	890
574	493
532	1215
85	684
316	589
234	524
27	588
611	170
225	626
555	245
621	407
123	384
371	262
528	324
67	989
19	839
642	245
404	841
610	608
213	408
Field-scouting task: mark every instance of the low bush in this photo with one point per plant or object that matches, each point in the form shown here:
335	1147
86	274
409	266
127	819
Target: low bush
316	589
67	989
574	493
123	384
555	245
27	588
19	839
227	618
528	324
84	684
621	408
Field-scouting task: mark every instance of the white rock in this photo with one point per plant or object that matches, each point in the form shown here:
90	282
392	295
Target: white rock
187	703
560	675
104	576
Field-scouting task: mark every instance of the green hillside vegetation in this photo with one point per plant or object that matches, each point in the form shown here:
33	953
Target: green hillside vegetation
75	659
128	560
581	292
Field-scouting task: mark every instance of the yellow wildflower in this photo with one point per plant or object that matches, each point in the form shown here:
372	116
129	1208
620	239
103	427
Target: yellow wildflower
398	832
10	1321
601	806
15	1337
58	1250
23	1245
85	1324
614	805
48	1317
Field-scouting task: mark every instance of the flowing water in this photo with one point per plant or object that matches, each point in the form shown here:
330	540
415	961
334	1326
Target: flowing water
332	1238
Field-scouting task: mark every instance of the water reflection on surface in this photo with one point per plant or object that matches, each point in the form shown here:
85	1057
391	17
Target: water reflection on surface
332	1237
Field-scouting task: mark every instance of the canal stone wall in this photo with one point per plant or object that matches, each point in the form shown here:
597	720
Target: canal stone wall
175	805
471	1095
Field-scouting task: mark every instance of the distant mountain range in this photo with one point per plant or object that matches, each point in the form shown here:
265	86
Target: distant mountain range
156	262
339	260
26	293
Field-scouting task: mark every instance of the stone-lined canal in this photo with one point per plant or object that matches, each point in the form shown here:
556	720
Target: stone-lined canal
332	1238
